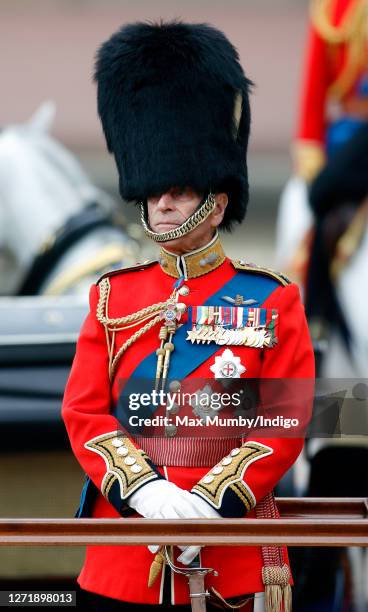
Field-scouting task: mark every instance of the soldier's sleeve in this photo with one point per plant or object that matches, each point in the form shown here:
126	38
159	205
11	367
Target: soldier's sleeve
309	148
249	472
107	455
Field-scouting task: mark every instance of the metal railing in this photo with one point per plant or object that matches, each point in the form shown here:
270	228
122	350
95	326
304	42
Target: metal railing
303	522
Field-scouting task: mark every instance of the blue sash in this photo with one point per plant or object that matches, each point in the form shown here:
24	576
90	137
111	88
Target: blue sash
184	360
186	357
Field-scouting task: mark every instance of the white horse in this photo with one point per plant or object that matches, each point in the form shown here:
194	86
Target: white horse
57	232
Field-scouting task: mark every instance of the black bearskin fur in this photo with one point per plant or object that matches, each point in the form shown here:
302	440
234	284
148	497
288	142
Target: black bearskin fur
166	95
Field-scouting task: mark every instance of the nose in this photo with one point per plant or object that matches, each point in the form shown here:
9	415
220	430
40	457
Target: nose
165	202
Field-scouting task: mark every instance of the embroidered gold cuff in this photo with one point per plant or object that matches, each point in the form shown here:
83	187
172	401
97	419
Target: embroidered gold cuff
124	462
228	475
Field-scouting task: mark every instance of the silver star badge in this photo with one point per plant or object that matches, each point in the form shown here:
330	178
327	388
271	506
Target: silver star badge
227	365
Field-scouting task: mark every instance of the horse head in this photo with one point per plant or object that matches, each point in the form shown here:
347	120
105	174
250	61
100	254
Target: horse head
41	186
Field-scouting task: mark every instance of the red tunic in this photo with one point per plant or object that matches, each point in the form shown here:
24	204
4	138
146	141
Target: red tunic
324	63
332	88
121	572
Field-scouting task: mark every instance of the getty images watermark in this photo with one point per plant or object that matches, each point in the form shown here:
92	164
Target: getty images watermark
267	407
205	405
217	421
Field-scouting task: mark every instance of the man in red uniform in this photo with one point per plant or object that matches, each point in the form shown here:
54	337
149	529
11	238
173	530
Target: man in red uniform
173	101
334	98
333	106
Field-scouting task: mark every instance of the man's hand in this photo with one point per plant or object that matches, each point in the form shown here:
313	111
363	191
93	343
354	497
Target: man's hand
200	509
163	499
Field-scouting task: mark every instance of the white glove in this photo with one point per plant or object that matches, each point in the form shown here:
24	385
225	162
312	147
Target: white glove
164	499
160	499
203	510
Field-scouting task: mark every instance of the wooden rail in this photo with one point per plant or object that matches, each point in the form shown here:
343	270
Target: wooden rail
303	522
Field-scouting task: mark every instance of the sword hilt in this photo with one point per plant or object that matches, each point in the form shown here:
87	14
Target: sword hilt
188	570
196	576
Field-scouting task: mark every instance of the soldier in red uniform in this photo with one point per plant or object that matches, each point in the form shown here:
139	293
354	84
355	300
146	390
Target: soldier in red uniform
174	105
329	154
334	99
333	107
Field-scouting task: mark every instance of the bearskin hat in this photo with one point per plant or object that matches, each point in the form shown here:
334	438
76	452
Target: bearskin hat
174	105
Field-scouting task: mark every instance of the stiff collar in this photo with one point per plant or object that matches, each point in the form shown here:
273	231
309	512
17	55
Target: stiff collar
193	264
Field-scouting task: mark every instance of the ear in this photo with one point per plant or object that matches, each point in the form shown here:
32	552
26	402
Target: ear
218	214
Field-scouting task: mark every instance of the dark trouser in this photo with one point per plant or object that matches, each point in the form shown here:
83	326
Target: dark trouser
97	603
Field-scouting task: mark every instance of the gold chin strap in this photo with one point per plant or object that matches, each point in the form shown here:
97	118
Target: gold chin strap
190	224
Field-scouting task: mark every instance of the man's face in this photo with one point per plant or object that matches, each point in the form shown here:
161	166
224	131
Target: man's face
170	209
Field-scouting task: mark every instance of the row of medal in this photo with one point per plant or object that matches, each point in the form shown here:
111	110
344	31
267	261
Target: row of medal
228	316
225	325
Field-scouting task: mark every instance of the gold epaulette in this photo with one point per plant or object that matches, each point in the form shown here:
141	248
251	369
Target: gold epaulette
350	32
239	264
137	267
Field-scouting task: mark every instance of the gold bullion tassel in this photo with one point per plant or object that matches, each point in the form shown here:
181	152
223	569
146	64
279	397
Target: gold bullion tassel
160	352
277	588
168	348
172	315
156	567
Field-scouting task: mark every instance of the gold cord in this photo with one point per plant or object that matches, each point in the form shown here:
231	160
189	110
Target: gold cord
130	341
336	34
352	31
102	314
152	314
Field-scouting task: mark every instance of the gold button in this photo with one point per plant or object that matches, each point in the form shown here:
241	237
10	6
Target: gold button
170	430
218	469
136	468
116	442
181	307
184	290
129	460
226	461
175	385
122	450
